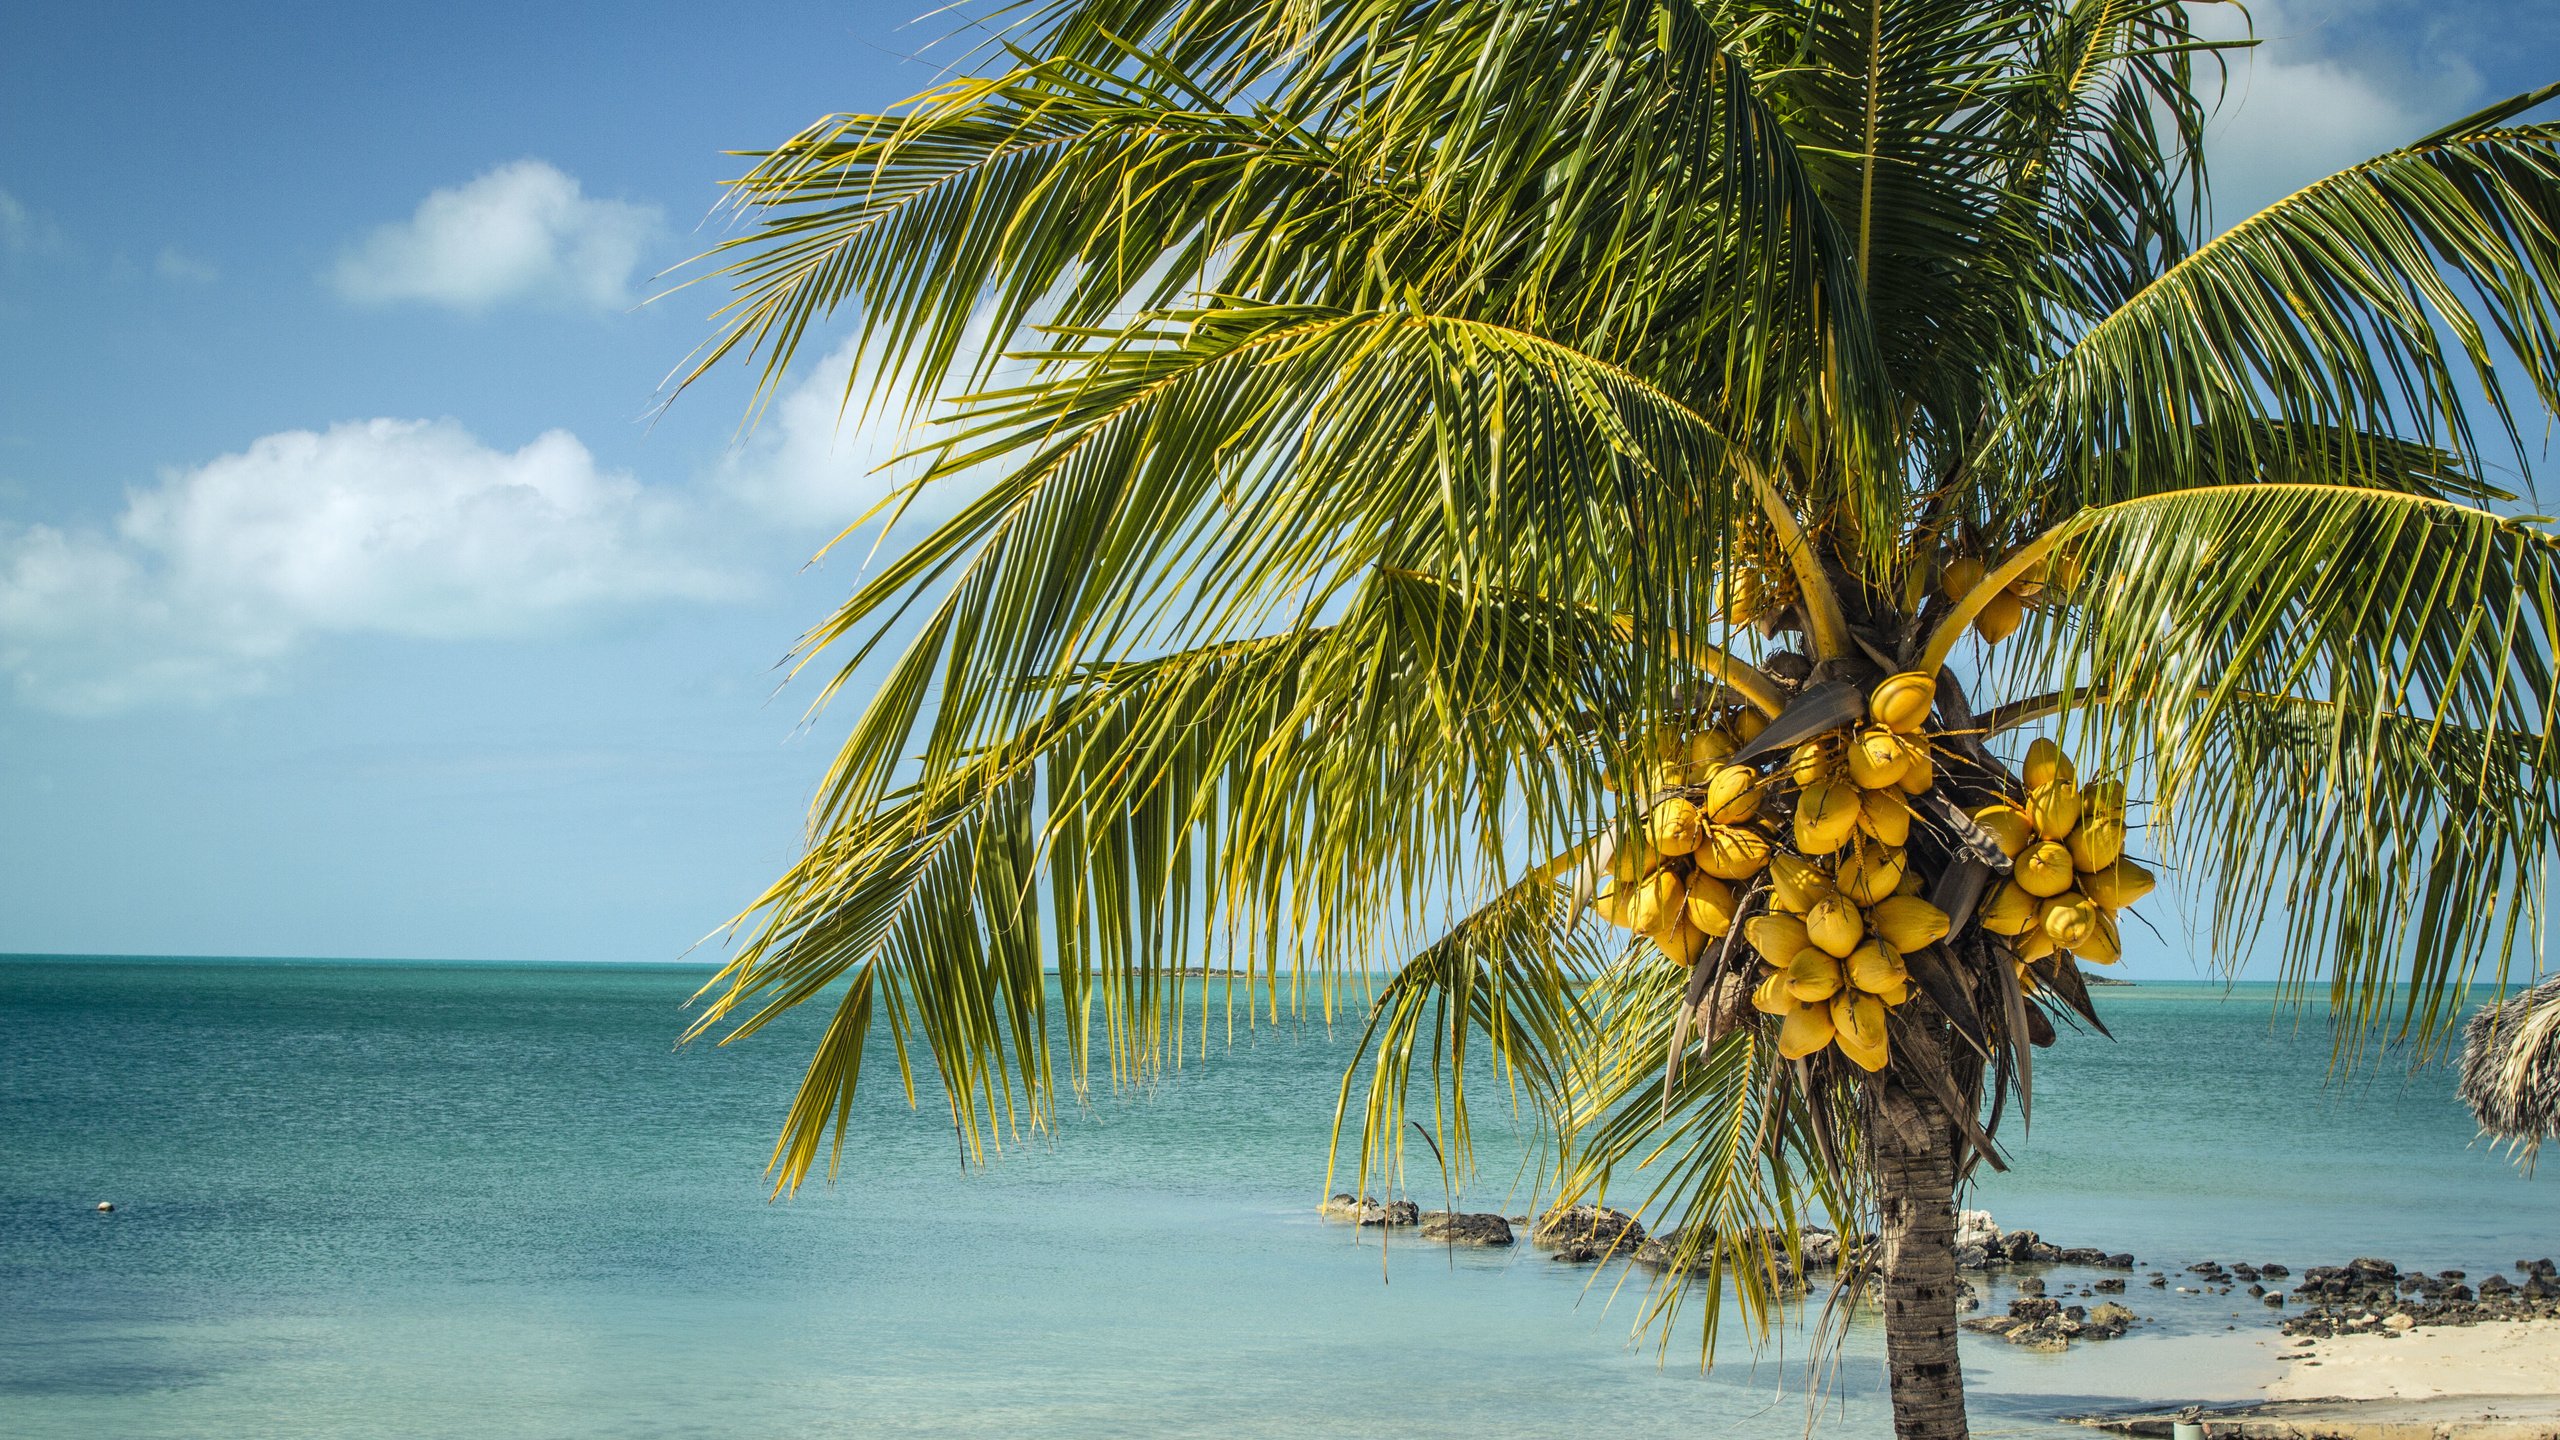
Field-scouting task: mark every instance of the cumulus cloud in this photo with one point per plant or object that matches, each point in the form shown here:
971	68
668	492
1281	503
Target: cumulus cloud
387	527
522	232
825	453
2297	108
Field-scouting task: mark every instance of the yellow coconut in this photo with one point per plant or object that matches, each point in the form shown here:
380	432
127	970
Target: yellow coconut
1857	1022
1710	747
2010	911
1814	761
1962	576
1771	996
1748	723
2118	885
1634	859
2045	764
2069	918
2000	619
1826	816
2102	800
1710	904
1922	772
1871	873
1805	1031
2105	945
1733	852
1681	941
1902	702
2035	945
1812	975
1877	759
2095	843
1835	925
2054	808
1795	883
1875	966
2009	826
1654	901
1733	794
1884	816
1907	922
1674	826
1776	937
2045	870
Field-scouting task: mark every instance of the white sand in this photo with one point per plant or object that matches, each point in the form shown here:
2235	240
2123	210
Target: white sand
2517	1357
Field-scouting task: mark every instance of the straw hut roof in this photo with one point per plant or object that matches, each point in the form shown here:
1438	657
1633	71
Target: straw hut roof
2511	1069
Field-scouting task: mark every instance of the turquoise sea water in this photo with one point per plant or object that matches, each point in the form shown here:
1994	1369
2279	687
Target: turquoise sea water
361	1199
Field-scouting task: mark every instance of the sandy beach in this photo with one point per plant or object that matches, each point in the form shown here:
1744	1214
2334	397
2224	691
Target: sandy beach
2513	1358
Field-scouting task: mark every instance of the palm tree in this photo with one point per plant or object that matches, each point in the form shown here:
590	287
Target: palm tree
1468	473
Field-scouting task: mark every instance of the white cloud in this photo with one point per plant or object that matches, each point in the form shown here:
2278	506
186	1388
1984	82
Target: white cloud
180	268
2293	113
522	232
29	232
386	527
816	462
823	455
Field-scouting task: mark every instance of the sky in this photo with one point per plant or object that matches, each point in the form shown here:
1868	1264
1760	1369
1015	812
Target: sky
359	597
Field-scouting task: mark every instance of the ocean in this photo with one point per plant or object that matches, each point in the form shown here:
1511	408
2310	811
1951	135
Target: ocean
360	1199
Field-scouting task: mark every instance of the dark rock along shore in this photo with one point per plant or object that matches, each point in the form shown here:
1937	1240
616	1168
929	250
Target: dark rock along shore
2363	1296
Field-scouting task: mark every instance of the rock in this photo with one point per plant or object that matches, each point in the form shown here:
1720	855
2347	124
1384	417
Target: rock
1575	1252
2367	1270
2159	1282
1820	1248
2084	1255
1367	1210
2120	1261
2035	1308
2458	1292
1975	1227
2540	1287
1597	1226
2452	1275
2495	1286
1973	1257
2031	1286
1485	1231
2274	1272
2245	1271
2542	1267
2257	1289
2401	1323
2112	1285
105	1205
2275	1297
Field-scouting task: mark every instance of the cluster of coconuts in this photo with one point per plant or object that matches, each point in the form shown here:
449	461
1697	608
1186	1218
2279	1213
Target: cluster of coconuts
2068	877
2001	618
1674	880
1844	907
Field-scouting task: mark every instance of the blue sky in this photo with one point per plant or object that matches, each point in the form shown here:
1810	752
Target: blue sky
353	598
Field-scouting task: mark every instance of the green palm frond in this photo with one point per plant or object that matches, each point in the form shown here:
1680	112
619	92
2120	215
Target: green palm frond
2404	825
2359	304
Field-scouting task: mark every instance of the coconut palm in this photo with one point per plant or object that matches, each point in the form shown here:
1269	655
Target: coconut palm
1576	505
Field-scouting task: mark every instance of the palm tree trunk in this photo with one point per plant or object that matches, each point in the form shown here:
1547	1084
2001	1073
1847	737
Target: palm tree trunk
1915	1158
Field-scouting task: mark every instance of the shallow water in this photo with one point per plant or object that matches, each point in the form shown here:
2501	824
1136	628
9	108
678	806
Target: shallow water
494	1201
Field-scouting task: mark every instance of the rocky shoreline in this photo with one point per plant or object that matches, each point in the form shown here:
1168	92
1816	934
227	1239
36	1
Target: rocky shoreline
2362	1296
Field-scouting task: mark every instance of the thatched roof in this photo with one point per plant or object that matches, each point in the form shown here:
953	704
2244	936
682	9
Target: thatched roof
2511	1069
